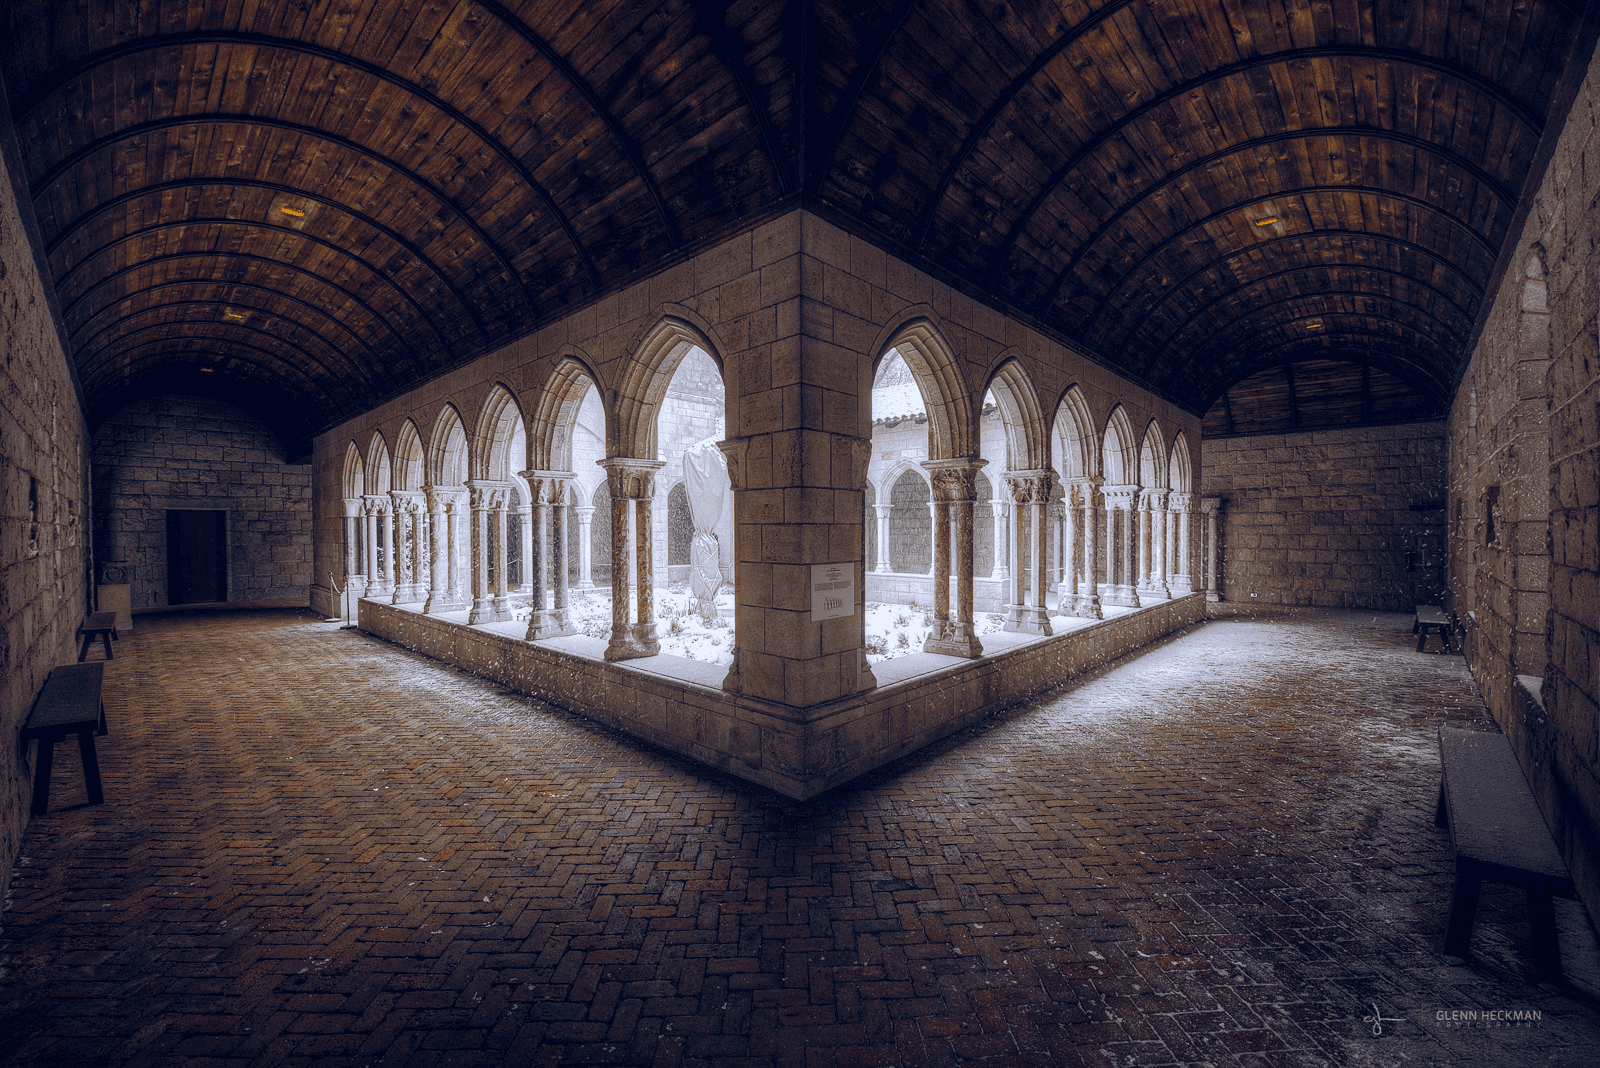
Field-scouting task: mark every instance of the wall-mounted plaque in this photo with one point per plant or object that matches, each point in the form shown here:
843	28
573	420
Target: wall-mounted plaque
833	591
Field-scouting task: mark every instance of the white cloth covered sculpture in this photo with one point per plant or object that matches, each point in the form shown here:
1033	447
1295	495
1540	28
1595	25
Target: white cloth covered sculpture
705	478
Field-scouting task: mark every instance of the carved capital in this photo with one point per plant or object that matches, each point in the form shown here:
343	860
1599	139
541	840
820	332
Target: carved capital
954	480
1120	497
734	450
1029	487
549	487
1211	505
631	479
488	493
1085	491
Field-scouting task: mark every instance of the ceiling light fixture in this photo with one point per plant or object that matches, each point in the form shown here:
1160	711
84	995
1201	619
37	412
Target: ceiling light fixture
233	315
208	370
1268	221
1315	324
296	212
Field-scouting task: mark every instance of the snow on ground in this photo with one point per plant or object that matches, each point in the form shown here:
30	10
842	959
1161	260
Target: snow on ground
892	629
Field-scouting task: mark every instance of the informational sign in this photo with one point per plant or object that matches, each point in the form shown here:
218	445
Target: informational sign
833	591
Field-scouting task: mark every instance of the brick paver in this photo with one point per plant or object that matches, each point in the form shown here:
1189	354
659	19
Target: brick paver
319	849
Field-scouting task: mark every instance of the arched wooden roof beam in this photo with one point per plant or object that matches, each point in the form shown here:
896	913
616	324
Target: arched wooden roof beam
1184	286
216	305
63	281
1499	189
1479	84
1142	263
128	133
237	257
454	114
53	244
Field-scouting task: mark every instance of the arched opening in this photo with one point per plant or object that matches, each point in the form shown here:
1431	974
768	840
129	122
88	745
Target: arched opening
1030	486
910	535
1078	472
922	427
354	481
410	478
377	533
1119	461
562	452
1152	536
1183	506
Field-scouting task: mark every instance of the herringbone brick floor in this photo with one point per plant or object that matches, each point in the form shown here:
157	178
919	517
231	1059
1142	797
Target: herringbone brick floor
319	849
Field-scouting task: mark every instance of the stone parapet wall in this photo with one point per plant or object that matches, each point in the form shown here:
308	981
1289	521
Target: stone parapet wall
196	453
1349	518
44	541
799	753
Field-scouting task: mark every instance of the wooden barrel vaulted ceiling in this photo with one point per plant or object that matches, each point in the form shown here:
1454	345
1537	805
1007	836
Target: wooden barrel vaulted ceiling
305	207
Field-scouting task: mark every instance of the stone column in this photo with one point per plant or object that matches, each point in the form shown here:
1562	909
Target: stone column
1030	495
883	536
369	532
632	486
1087	604
452	565
1155	506
1143	536
549	579
1119	501
488	499
354	579
1211	508
1002	547
1067	588
954	491
399	549
933	536
409	553
528	543
438	550
1183	519
585	514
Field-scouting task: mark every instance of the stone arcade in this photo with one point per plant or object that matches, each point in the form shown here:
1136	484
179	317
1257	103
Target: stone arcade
1060	330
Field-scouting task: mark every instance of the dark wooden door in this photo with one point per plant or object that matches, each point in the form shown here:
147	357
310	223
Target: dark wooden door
197	556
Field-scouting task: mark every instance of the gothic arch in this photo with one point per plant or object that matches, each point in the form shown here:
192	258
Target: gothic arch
556	416
638	401
1075	436
355	473
378	467
1027	443
1180	472
408	458
448	450
952	430
1118	453
499	422
1153	457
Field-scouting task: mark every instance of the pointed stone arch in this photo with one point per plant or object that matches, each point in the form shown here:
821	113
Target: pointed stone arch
1180	470
449	453
632	433
378	467
1027	440
355	473
1118	451
1153	457
550	431
409	469
499	422
1075	437
952	429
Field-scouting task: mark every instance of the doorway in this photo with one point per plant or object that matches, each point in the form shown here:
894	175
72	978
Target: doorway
197	556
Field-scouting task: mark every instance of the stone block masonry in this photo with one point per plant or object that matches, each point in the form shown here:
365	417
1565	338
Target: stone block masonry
181	453
1332	518
44	548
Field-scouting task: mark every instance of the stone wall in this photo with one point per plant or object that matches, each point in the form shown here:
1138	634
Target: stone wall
179	453
44	546
1525	495
1349	518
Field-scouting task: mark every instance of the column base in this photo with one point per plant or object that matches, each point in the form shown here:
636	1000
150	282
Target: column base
502	606
1028	619
443	603
627	646
1182	584
1083	606
407	593
1213	597
483	611
549	623
1125	596
952	639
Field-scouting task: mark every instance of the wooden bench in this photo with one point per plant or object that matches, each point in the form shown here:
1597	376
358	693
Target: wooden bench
102	625
69	703
1431	620
1499	835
